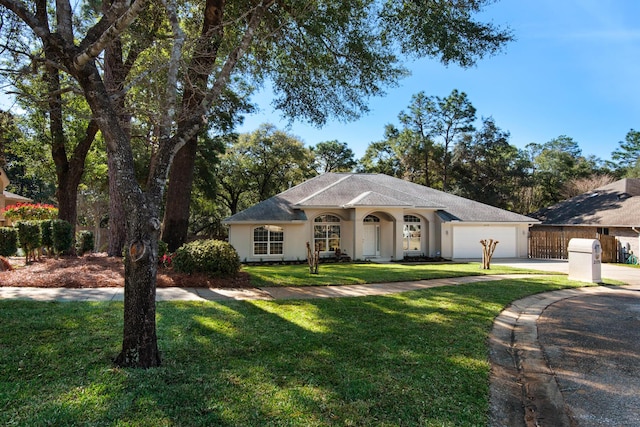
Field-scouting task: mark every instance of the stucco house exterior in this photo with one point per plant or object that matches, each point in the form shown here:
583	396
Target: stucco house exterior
7	198
610	213
373	216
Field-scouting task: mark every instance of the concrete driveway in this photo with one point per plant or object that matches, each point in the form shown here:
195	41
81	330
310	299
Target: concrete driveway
568	358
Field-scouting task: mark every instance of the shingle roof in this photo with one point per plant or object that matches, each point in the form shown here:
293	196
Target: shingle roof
347	190
14	197
615	204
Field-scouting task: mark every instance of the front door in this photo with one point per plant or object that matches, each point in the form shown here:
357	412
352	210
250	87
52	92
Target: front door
371	240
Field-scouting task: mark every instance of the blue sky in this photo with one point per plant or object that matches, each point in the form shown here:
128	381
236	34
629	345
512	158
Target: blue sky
573	70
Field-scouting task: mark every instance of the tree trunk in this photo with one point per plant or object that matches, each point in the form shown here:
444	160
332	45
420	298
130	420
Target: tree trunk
176	214
115	74
117	231
139	342
68	172
141	212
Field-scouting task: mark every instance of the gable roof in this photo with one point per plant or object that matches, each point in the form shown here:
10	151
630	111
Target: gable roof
615	204
349	190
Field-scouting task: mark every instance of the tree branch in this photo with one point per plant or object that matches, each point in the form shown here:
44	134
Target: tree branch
34	22
111	33
65	24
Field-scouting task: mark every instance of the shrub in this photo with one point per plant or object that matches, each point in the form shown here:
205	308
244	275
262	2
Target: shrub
8	241
62	236
207	256
86	242
30	237
163	248
46	232
30	212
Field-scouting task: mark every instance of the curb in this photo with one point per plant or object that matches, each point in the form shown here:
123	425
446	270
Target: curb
523	389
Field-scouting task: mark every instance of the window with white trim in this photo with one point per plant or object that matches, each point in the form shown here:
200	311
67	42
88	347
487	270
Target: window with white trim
411	233
268	240
326	233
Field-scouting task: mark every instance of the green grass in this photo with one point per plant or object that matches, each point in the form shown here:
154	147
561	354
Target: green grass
348	273
417	358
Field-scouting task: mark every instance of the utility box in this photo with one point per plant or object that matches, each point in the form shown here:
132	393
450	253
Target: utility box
585	260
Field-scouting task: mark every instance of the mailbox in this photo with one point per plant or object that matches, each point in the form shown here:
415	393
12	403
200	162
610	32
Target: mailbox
585	260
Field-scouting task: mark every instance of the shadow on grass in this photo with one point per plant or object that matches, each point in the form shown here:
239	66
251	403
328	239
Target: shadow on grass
417	358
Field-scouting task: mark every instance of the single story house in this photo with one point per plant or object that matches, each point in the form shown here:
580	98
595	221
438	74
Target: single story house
373	216
610	213
7	198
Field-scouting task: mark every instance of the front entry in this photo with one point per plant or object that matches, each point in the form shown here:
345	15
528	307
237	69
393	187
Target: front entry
371	245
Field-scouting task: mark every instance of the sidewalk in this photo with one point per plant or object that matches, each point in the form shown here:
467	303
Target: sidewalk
267	293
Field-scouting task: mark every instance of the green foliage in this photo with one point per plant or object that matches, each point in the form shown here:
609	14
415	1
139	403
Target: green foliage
207	256
627	155
163	248
29	235
488	169
46	230
85	242
30	212
62	236
333	156
8	241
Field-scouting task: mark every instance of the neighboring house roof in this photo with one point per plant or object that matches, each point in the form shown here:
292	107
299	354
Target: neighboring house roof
348	190
15	198
613	205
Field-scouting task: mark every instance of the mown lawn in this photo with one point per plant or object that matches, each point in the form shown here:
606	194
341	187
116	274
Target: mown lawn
354	273
417	358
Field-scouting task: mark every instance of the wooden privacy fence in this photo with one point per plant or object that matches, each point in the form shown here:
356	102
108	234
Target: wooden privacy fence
553	244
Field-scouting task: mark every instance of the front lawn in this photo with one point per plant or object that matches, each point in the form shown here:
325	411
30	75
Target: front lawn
354	273
417	358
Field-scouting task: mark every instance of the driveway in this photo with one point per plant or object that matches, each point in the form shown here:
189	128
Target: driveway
569	358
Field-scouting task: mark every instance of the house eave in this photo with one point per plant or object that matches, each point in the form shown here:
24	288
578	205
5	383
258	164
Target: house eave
264	221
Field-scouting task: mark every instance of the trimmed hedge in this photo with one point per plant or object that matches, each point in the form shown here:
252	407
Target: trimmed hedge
29	235
46	231
8	241
86	242
62	236
207	256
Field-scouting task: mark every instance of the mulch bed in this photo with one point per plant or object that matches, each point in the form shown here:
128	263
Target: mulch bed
99	271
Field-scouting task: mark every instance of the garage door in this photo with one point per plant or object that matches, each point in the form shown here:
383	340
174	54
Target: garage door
466	241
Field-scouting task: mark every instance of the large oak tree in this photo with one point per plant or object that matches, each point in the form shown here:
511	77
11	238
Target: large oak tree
323	58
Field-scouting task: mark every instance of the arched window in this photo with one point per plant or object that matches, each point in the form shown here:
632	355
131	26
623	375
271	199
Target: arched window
268	240
326	232
371	218
411	233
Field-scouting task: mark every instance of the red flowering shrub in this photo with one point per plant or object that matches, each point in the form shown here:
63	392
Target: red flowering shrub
30	212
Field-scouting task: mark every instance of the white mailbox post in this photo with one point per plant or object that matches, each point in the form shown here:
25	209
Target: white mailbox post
585	260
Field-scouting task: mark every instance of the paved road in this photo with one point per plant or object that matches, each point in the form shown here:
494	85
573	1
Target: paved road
569	358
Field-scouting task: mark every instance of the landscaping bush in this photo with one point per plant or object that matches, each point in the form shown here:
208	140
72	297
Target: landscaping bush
8	241
207	256
30	212
62	233
30	237
46	233
86	242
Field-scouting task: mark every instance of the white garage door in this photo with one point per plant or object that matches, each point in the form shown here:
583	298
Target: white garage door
466	241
